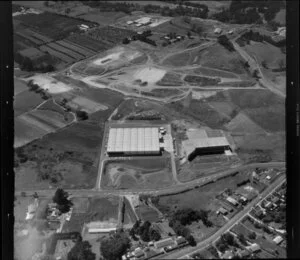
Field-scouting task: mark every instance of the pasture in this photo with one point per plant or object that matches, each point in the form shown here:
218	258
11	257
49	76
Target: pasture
170	79
19	86
215	57
25	100
68	158
52	25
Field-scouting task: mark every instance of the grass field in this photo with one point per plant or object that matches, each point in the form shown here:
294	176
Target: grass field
200	111
137	174
68	158
170	79
26	101
262	106
162	93
102	18
214	73
201	81
215	57
203	166
147	214
266	52
52	25
19	86
200	198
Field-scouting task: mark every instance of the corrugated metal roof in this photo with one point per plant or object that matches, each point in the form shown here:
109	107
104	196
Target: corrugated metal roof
142	139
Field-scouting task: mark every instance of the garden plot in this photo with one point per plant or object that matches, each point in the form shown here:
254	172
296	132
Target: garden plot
50	84
149	74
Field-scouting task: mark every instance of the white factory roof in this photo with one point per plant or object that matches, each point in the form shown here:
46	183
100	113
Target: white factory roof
208	142
137	139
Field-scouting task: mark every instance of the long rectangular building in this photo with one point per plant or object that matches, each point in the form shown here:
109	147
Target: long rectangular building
136	140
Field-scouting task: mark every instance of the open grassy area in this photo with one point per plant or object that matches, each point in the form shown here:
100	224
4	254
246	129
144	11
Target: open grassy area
25	101
97	209
262	106
161	92
214	73
170	79
200	111
147	214
203	166
53	25
199	198
68	158
215	57
19	86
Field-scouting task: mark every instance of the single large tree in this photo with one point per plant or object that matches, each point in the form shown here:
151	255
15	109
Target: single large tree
62	201
81	250
115	246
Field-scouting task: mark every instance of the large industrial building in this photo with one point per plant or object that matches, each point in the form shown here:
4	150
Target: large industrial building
199	143
133	141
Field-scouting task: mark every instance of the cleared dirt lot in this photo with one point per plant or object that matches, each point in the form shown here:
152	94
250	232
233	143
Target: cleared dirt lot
137	174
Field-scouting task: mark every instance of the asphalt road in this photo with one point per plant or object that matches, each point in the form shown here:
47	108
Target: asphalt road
191	250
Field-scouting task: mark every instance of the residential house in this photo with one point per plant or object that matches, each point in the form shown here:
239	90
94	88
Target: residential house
278	240
253	248
163	243
227	255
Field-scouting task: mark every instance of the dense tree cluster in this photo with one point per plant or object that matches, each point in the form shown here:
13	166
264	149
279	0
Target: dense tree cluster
81	250
189	8
115	246
247	12
187	216
223	40
82	115
145	231
257	37
27	64
61	199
